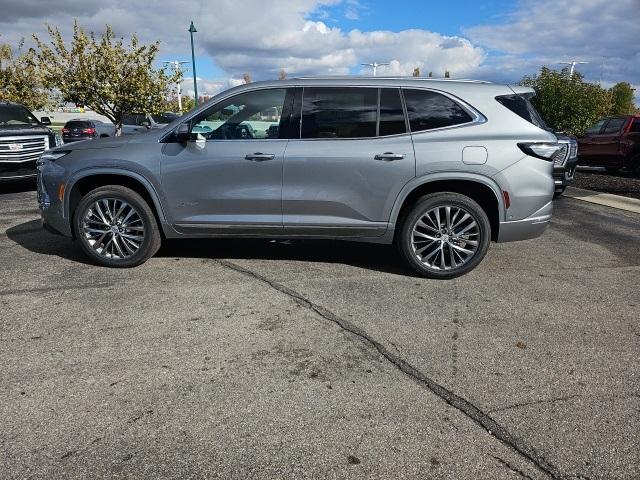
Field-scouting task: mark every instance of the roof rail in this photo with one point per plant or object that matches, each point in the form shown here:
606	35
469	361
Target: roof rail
397	77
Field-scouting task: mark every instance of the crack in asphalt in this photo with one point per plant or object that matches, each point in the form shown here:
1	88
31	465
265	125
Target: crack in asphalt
533	402
512	468
466	407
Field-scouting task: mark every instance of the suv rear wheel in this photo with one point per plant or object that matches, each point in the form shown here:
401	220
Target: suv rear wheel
116	227
444	235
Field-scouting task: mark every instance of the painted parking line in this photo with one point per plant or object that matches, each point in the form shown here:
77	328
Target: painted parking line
607	199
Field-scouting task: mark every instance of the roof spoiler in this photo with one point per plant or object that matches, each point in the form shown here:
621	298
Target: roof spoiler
526	92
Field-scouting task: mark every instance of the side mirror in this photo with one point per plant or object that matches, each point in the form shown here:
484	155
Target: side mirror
183	133
45	121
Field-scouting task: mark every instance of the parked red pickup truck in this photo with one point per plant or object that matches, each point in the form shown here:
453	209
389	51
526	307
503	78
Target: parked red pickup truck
613	143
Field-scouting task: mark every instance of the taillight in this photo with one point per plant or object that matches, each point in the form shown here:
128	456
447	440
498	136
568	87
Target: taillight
90	131
544	150
65	130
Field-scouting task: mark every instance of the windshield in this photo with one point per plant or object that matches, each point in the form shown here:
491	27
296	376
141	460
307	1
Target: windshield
16	115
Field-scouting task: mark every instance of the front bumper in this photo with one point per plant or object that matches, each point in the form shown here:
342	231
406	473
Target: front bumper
563	176
527	228
17	170
51	207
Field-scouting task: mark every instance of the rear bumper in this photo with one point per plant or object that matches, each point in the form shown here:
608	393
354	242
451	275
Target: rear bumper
527	228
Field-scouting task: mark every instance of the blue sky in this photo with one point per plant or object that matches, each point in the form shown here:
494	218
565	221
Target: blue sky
499	40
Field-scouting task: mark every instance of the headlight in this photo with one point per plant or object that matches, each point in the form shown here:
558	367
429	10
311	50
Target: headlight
53	156
543	150
58	139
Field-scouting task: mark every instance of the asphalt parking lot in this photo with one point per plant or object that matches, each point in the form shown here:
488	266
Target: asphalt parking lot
253	359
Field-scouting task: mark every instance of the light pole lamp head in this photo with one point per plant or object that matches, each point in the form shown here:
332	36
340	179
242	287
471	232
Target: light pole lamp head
192	27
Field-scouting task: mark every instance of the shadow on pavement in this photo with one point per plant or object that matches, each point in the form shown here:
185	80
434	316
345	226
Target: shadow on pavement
31	236
384	258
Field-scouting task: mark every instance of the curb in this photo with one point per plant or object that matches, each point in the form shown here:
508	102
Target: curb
606	199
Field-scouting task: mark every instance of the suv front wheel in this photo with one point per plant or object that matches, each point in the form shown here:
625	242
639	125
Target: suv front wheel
116	227
444	235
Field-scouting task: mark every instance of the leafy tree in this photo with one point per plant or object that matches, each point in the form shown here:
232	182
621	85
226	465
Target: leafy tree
188	103
246	77
447	74
567	104
20	81
103	73
416	72
282	75
621	99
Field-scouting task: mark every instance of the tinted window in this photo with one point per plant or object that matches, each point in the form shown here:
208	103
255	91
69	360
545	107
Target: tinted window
164	117
250	115
16	115
595	129
392	120
635	126
133	119
614	125
78	124
428	110
339	112
522	107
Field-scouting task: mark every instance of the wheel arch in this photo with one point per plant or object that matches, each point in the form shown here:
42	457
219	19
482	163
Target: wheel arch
481	189
89	180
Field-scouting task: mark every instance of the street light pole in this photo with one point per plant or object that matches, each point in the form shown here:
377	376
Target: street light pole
192	30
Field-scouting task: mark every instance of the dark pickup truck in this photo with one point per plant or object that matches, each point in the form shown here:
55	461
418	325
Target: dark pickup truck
23	138
612	143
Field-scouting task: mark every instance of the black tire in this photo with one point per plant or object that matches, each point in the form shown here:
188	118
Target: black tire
612	170
634	165
151	238
419	210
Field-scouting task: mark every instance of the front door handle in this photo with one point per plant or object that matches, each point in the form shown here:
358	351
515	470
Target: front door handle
389	156
259	156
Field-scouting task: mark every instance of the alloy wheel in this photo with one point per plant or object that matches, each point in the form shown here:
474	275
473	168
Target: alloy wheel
445	237
113	228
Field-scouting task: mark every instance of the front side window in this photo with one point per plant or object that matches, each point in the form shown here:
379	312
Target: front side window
595	129
614	125
247	116
428	110
392	121
339	112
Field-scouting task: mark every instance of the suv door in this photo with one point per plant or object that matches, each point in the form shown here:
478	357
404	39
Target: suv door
230	179
342	176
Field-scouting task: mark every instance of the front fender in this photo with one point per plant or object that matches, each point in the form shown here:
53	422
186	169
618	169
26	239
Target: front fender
92	171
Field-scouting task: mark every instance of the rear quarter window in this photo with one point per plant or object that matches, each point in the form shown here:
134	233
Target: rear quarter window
522	107
428	110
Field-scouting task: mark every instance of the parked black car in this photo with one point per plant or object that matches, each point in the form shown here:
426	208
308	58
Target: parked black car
564	163
77	129
23	138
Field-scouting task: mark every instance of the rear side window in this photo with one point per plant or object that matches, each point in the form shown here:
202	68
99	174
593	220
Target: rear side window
339	112
428	110
614	125
522	107
78	124
595	129
635	126
392	121
133	119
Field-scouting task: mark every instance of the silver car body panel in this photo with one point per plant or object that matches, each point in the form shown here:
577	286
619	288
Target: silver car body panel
319	187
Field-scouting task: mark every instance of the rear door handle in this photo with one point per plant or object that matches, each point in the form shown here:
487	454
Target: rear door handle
259	156
389	156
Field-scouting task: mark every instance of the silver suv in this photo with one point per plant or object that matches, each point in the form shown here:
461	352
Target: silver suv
440	168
